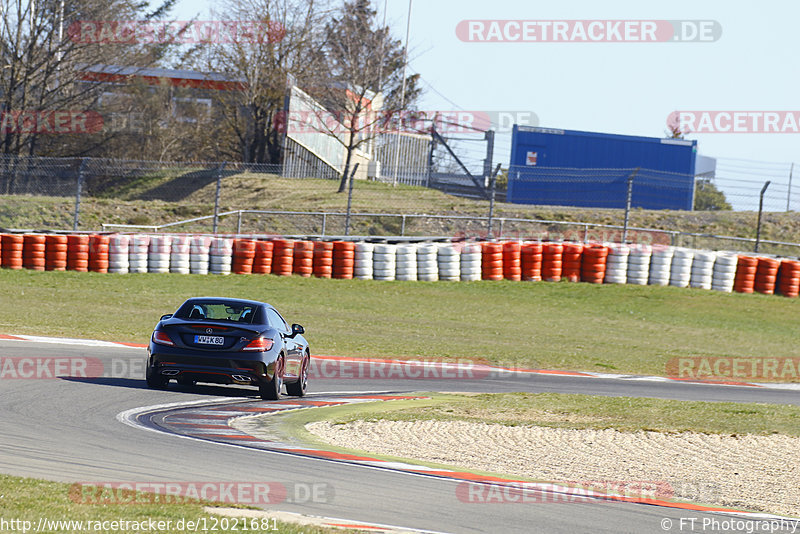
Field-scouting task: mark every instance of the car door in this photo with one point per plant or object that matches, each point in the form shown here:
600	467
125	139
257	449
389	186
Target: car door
294	352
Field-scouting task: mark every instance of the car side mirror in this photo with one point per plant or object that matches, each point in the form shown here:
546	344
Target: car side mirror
297	329
167	316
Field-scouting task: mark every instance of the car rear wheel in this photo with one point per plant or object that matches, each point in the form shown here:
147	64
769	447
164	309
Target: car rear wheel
154	380
272	389
298	389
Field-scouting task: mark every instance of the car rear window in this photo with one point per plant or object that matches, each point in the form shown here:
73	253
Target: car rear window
218	311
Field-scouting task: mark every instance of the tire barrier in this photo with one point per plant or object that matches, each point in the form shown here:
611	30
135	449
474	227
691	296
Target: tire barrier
617	264
11	251
180	257
639	264
552	261
118	253
363	261
571	262
99	253
660	265
492	261
344	254
323	259
766	275
789	278
702	274
199	253
220	255
531	262
303	260
158	254
282	257
448	258
471	262
681	271
428	263
512	261
724	272
262	262
745	279
244	253
406	262
78	253
55	256
593	264
384	261
33	252
137	253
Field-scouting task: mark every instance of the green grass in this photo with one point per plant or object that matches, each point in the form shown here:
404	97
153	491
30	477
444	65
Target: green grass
26	499
584	327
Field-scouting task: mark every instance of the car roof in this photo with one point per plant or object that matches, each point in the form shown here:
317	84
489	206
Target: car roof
220	300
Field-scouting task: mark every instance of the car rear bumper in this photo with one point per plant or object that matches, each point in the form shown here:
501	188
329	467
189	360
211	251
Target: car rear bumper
218	367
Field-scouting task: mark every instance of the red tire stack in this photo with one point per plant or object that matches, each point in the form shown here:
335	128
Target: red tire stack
303	258
789	278
33	252
55	255
745	279
12	251
323	259
766	275
282	257
492	261
78	253
512	265
531	261
344	258
551	261
244	253
571	262
98	253
593	263
262	262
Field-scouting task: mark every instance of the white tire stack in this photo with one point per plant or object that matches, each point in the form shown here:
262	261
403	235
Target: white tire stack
471	262
220	255
384	262
702	269
681	270
617	264
158	255
199	247
639	264
137	253
428	263
660	265
406	262
118	247
449	259
179	259
363	261
724	272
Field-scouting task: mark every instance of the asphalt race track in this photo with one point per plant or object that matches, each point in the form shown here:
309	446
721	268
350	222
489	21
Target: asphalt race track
67	429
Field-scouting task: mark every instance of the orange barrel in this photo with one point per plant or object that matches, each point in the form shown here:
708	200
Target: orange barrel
262	262
593	263
492	261
512	265
244	253
282	257
552	262
766	275
303	258
78	253
33	255
344	258
98	253
531	263
11	254
55	253
323	259
789	278
571	261
745	279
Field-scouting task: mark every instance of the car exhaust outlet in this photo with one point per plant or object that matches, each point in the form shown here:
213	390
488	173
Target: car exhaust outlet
241	378
170	372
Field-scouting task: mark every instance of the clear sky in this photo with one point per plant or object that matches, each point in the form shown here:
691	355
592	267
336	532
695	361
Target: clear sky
616	87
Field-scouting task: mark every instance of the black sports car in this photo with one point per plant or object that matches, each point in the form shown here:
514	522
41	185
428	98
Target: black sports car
229	341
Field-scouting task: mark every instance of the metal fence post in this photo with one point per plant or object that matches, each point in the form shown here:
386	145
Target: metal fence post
493	191
760	209
239	223
350	200
403	225
78	192
628	205
324	221
216	197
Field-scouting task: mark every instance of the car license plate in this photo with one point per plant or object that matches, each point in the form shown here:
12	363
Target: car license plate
209	340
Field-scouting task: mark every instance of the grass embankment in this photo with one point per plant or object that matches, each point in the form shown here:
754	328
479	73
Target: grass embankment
582	327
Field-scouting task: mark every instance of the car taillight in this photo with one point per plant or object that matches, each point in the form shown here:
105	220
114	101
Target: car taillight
162	338
259	344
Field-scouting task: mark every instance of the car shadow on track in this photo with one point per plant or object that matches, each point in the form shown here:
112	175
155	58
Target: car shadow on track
135	383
